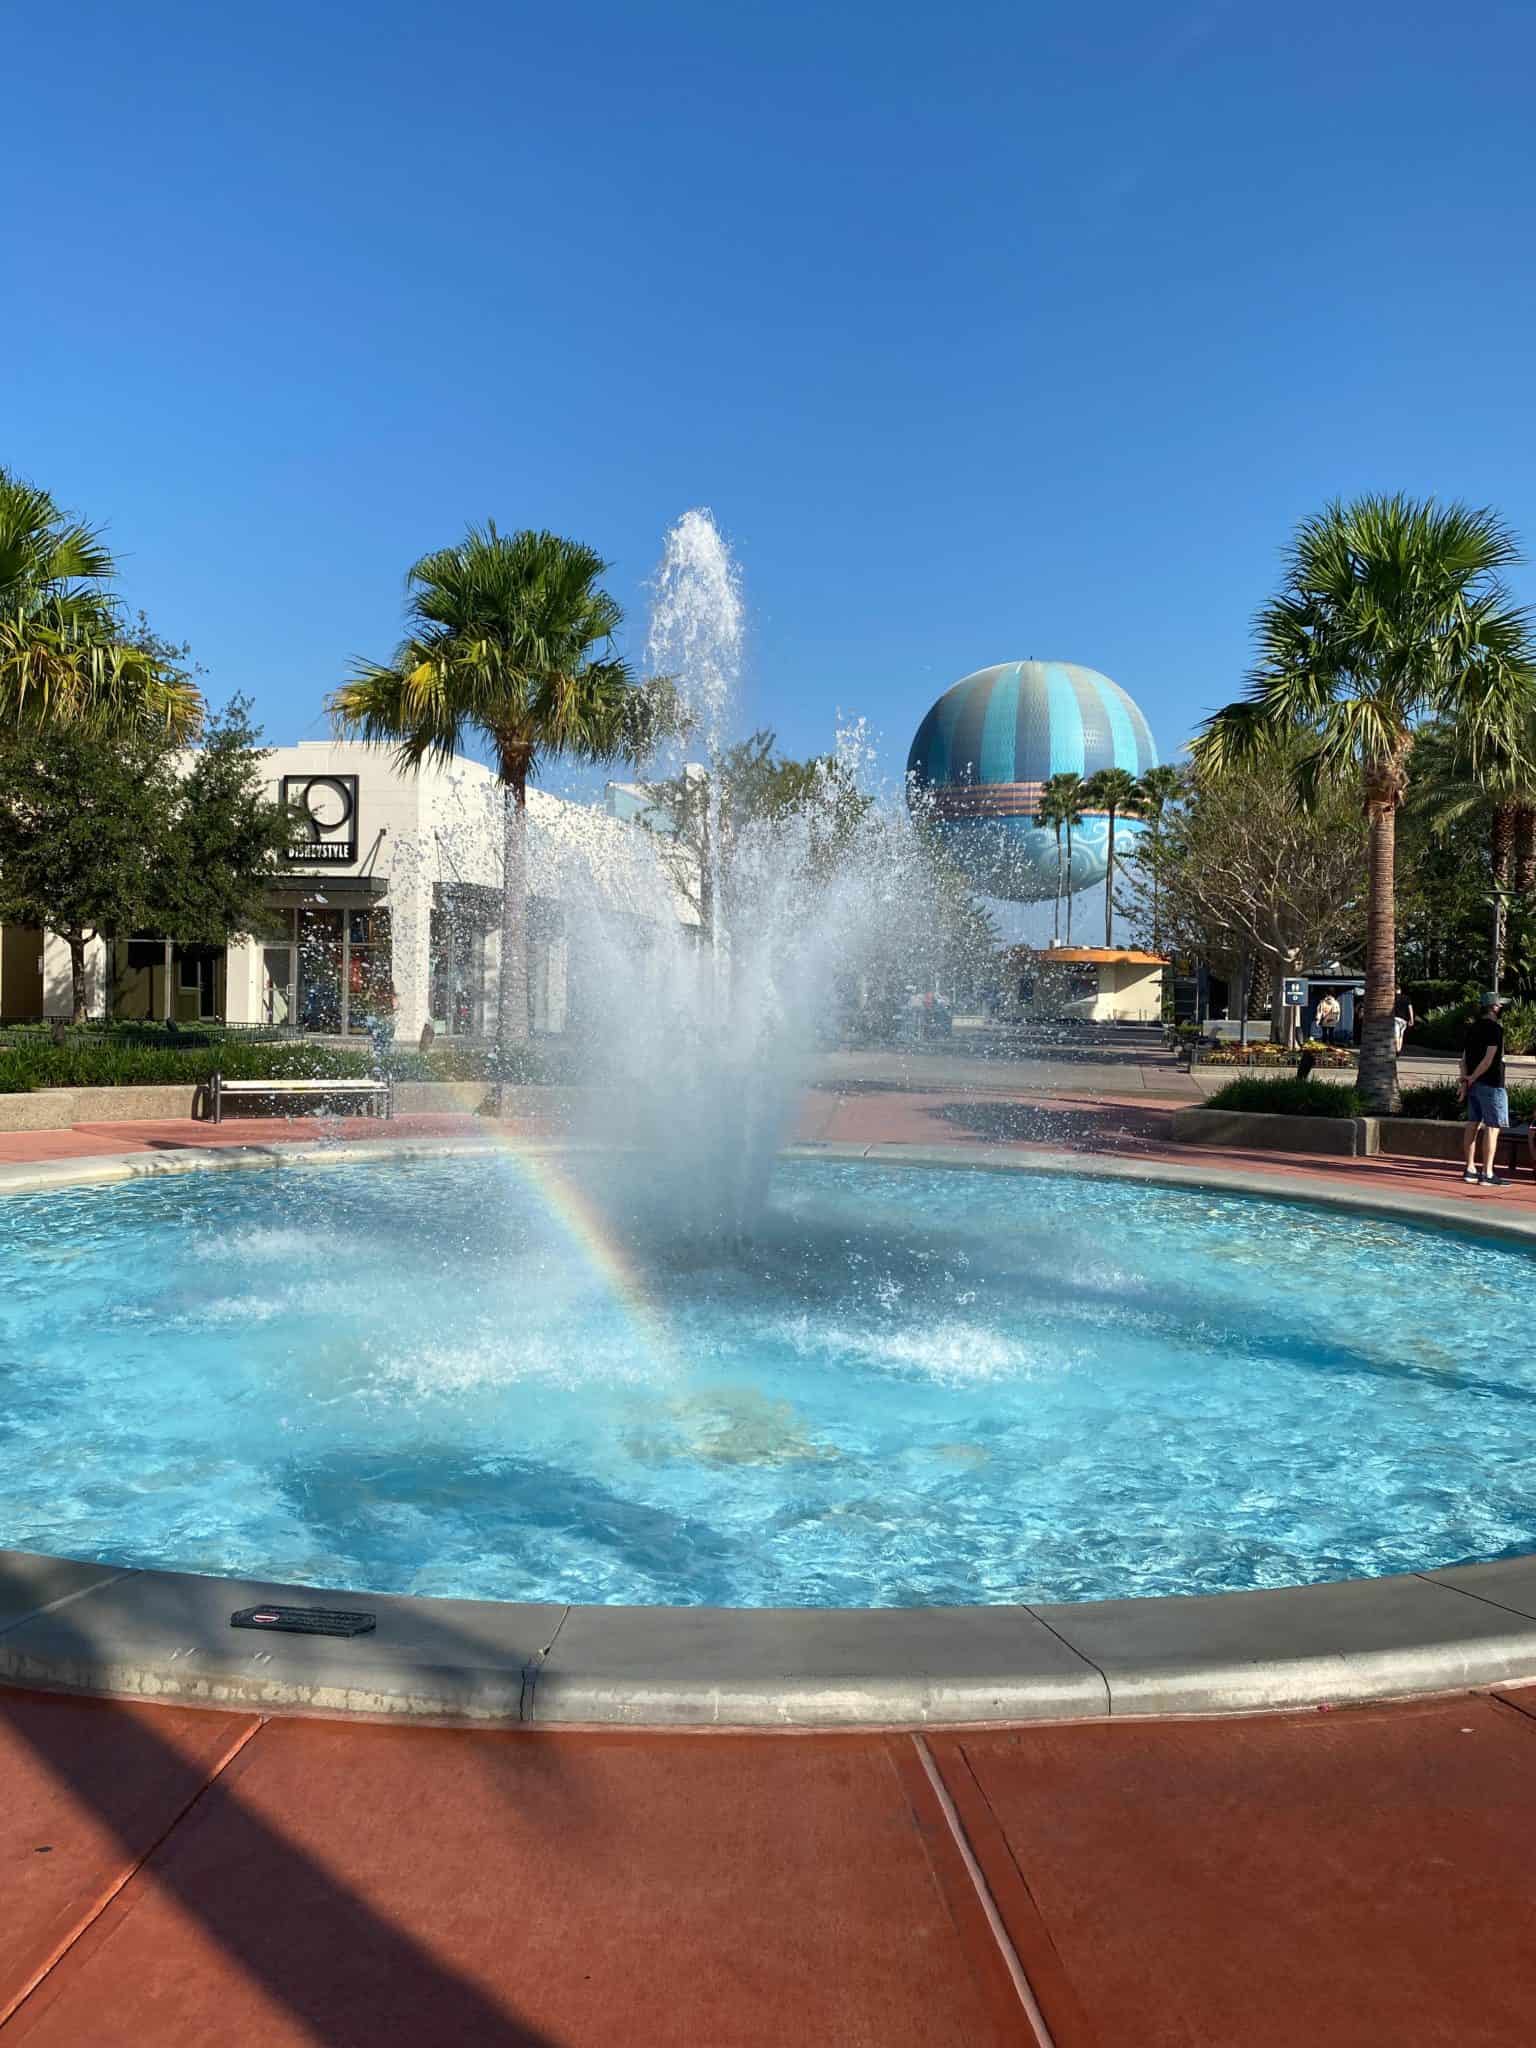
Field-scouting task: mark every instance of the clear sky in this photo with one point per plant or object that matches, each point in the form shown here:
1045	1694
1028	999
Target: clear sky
988	331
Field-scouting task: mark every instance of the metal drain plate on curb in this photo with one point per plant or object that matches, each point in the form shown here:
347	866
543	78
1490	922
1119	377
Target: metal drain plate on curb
304	1621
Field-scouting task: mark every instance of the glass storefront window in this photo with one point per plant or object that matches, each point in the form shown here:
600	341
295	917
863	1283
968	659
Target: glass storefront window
370	967
458	973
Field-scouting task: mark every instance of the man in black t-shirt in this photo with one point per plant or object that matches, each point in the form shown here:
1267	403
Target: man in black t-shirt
1482	1078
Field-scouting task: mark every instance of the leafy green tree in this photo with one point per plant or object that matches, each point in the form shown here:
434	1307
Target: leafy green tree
225	837
751	786
1116	792
510	639
1391	611
104	834
67	653
1242	872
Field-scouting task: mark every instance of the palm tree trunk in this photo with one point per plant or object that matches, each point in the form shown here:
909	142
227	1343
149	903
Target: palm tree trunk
1109	884
1525	848
1502	855
1069	884
1056	917
1378	1044
512	1028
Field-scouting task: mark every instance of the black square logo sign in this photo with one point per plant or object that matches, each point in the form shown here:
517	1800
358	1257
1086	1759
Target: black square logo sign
323	810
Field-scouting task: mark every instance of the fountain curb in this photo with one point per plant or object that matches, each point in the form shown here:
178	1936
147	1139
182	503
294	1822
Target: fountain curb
165	1636
84	1628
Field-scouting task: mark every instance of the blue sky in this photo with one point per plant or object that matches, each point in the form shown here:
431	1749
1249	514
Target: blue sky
988	331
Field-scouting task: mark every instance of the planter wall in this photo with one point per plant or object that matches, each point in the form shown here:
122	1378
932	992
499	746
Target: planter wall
1347	1137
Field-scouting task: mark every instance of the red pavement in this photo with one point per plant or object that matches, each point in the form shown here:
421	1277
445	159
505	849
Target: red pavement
171	1877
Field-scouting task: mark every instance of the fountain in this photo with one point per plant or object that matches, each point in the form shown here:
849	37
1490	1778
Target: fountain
666	1364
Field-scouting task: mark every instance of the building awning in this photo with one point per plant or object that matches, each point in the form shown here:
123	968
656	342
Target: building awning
325	892
1093	956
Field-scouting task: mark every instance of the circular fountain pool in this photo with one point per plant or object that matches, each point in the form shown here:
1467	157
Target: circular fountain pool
915	1386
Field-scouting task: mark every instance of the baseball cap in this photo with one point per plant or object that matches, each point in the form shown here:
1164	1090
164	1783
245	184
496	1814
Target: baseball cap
1493	1000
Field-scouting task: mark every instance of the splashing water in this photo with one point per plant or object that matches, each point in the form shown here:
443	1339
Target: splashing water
704	1035
697	621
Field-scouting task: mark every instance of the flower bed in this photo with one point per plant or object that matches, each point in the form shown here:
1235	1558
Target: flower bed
1269	1056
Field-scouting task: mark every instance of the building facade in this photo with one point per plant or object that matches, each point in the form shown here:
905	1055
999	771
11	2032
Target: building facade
392	897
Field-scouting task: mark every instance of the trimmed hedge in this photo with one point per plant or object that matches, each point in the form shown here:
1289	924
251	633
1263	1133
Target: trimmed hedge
1445	1029
1287	1097
1438	1101
108	1061
1441	1102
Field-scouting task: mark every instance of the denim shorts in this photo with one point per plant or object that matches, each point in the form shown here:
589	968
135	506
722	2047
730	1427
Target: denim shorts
1487	1105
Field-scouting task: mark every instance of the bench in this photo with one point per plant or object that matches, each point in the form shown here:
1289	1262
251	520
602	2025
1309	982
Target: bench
379	1095
1518	1137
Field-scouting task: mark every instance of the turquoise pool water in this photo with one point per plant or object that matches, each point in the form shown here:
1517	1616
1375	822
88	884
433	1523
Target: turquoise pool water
916	1386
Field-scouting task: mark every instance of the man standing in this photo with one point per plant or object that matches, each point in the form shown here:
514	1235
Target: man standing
1482	1079
1325	1018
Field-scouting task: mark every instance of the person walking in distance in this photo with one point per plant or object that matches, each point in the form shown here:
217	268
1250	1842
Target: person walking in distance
1326	1018
1482	1081
1402	1019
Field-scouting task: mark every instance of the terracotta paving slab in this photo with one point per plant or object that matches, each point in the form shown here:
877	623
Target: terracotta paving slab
1352	1880
359	1885
86	1791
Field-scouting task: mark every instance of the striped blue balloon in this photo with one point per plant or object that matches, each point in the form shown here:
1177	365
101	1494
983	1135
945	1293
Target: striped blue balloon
985	750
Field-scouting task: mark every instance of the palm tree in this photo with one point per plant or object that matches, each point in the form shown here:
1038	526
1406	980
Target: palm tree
1057	810
1114	791
1061	801
67	656
1391	610
510	637
1157	788
1453	786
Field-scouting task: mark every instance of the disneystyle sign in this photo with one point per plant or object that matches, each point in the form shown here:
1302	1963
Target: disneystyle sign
325	808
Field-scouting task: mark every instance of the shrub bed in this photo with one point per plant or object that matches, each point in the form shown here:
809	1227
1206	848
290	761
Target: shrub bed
1286	1096
1441	1102
1445	1029
109	1061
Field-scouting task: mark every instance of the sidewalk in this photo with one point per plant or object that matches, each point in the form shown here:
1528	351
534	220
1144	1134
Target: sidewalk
170	1878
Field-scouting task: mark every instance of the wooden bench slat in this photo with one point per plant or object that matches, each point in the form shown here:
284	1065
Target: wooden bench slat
276	1087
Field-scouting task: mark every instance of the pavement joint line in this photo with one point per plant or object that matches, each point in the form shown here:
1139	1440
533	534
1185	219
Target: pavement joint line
535	1666
64	1599
1103	1676
1431	1578
1027	2001
89	1919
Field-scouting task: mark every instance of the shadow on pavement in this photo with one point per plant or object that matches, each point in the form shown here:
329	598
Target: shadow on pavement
354	1978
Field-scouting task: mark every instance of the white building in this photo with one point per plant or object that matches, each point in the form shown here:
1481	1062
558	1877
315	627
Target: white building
395	881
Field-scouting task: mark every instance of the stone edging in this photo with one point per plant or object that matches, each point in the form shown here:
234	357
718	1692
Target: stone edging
166	1635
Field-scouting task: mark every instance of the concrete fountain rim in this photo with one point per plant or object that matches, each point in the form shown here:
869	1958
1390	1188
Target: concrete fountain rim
89	1628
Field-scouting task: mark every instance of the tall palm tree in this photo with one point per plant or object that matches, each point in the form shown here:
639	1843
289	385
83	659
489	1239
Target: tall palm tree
1116	792
1064	792
67	655
1058	810
1391	610
1156	790
509	637
1494	786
